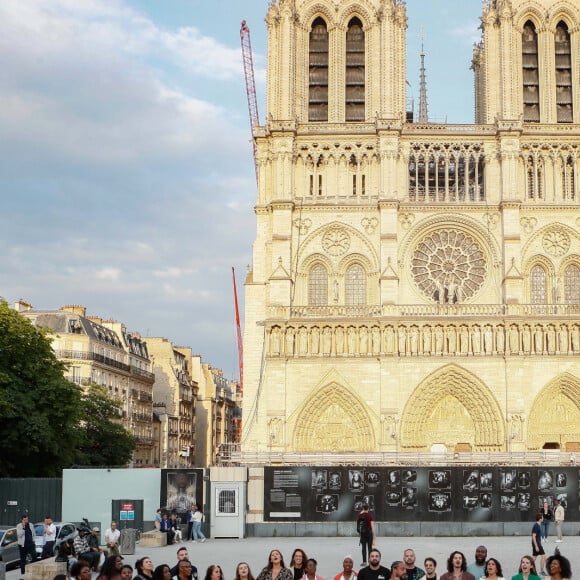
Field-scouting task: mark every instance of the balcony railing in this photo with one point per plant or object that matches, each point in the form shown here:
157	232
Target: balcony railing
423	310
142	373
86	355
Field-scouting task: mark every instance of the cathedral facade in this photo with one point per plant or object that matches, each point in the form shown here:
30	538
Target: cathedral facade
415	287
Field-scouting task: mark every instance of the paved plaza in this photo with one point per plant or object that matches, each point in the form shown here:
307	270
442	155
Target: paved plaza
330	552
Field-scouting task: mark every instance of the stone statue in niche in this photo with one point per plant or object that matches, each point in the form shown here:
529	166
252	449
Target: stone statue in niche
500	339
539	340
376	339
563	339
339	338
315	340
439	340
514	339
488	339
551	339
575	338
464	340
427	340
526	339
451	340
476	340
290	341
414	340
389	339
275	341
364	340
302	341
402	340
326	340
352	342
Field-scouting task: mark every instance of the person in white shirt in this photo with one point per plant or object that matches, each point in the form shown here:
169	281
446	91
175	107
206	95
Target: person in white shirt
49	538
558	518
112	536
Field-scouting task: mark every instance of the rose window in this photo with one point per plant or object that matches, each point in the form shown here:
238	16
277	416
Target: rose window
556	242
449	266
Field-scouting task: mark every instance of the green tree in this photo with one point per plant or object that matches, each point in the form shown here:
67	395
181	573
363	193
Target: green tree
103	440
39	408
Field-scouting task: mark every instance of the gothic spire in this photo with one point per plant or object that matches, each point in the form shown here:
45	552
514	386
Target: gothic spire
423	109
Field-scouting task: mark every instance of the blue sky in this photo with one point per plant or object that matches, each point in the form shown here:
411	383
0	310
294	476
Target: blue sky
126	176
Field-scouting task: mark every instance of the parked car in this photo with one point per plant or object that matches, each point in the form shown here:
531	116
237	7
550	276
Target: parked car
64	531
9	553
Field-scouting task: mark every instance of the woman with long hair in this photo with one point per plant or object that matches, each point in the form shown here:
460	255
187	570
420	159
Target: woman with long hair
527	570
276	569
559	567
81	570
297	563
243	572
214	572
493	570
111	568
144	568
162	572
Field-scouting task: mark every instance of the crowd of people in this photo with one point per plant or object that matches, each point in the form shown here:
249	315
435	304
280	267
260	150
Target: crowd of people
301	567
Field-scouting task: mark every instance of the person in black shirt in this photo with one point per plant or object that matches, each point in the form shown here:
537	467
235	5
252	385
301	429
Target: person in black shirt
374	571
413	573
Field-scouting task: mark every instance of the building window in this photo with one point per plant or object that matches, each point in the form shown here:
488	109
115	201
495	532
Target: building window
318	72
568	178
535	177
356	285
531	76
564	103
572	285
318	286
355	71
538	285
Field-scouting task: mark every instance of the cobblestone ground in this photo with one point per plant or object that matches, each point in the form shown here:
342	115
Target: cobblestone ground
330	552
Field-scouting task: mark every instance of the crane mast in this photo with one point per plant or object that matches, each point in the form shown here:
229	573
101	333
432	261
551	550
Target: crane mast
250	86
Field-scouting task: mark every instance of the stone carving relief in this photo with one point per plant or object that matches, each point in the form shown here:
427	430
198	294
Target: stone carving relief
334	420
388	429
336	240
516	427
491	219
406	220
276	431
303	225
556	242
424	340
528	224
370	225
448	266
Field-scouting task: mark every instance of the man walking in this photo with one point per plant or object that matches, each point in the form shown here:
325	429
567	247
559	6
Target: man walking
558	518
365	526
26	546
537	549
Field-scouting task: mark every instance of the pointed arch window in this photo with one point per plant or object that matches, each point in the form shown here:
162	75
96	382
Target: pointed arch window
564	103
318	72
317	286
538	285
356	285
531	77
572	285
355	71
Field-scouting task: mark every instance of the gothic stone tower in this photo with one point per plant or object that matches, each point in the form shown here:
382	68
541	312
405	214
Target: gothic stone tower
414	287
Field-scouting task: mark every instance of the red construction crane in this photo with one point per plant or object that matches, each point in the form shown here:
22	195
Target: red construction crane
250	86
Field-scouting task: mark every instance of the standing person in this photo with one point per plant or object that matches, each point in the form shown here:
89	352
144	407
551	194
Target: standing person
547	518
112	536
374	571
537	549
559	567
413	573
49	530
457	568
111	569
275	569
243	572
310	570
477	568
26	546
527	569
365	526
558	518
157	519
298	562
189	516
197	519
398	570
493	570
144	568
183	554
214	572
430	568
347	570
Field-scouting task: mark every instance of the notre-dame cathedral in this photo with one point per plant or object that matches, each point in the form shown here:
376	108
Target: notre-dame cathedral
415	287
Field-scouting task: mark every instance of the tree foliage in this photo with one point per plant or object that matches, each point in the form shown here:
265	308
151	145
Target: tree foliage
103	440
39	408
